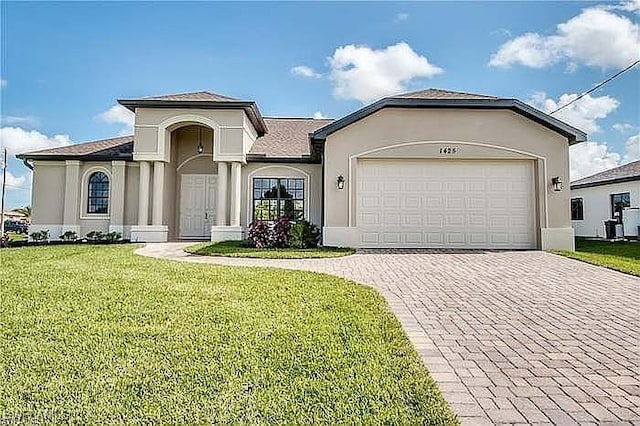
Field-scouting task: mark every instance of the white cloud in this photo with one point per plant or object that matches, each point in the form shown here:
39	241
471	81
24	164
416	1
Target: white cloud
588	158
400	17
623	127
582	114
596	37
366	74
305	71
319	115
118	114
627	6
16	182
3	83
18	140
632	149
18	120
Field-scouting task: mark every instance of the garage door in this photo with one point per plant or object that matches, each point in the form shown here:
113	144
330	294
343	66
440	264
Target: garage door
446	204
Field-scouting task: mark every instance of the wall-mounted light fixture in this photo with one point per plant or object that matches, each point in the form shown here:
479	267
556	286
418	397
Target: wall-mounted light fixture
340	182
200	146
556	182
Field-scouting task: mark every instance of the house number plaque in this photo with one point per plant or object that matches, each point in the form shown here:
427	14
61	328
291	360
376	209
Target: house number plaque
450	150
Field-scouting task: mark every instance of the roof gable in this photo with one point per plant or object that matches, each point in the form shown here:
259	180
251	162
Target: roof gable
436	98
192	96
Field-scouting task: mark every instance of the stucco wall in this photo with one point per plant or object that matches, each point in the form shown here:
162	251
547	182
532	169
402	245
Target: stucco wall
48	198
419	133
47	193
597	206
232	131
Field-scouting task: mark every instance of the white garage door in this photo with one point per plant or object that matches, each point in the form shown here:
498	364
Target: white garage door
446	204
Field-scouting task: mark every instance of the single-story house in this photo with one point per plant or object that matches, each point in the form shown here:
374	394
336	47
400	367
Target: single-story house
432	168
610	195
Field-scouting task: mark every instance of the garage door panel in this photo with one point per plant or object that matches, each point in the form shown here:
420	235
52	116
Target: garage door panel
472	204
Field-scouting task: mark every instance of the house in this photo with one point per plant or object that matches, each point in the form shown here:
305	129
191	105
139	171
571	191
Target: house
432	168
610	195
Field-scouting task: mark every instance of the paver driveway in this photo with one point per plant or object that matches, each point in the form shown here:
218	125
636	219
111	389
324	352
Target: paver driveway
511	337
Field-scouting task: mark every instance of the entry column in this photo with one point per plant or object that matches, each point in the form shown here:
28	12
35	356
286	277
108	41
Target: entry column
221	207
236	169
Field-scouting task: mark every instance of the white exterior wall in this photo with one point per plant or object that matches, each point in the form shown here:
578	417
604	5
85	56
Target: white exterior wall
596	201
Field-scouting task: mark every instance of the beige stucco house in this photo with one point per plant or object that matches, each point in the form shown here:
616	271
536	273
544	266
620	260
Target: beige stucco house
432	168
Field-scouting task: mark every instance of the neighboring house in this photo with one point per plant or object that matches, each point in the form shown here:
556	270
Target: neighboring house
612	194
432	168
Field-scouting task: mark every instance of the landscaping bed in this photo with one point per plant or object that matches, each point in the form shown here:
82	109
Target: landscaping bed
241	249
98	335
623	256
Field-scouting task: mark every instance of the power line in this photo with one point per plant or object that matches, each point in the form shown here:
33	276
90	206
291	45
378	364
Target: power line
596	87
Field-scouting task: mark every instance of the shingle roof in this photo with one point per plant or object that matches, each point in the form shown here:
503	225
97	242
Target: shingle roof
441	94
625	173
104	149
287	137
193	96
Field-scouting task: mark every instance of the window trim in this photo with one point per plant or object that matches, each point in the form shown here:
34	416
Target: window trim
84	199
304	195
611	208
581	208
278	171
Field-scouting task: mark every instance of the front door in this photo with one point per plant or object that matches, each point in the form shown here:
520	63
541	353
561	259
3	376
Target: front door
197	205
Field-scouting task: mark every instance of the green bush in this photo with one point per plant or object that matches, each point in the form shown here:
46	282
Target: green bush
69	236
304	234
112	237
40	236
95	236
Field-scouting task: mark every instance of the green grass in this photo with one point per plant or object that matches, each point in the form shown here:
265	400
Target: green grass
622	256
97	335
14	236
237	249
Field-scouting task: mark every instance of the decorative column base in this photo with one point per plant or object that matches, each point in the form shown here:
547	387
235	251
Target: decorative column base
226	233
149	233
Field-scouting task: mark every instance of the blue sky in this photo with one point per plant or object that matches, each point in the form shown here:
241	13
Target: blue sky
65	64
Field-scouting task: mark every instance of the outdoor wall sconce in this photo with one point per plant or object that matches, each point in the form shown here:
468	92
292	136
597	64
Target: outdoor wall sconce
340	182
556	182
200	147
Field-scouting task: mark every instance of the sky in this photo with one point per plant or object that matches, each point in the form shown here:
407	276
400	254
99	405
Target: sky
64	64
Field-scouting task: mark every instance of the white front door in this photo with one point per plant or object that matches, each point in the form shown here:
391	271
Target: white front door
197	205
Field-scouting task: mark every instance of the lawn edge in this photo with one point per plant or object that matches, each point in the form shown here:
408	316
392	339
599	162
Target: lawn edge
265	255
568	255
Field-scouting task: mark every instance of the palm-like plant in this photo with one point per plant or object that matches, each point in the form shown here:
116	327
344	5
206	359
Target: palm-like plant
24	211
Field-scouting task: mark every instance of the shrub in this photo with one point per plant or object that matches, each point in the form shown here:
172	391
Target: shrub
112	237
95	236
69	236
304	234
259	234
40	236
280	232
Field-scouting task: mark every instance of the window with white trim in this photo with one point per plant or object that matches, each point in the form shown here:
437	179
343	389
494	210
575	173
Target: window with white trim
577	209
98	193
275	197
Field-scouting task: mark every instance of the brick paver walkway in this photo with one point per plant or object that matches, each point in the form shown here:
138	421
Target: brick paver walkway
510	337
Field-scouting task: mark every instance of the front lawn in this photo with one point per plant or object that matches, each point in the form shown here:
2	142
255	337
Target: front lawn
622	256
97	335
239	249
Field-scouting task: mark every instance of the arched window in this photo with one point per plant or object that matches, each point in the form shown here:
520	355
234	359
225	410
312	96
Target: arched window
98	200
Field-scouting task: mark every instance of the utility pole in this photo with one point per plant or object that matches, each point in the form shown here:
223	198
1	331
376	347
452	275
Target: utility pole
4	190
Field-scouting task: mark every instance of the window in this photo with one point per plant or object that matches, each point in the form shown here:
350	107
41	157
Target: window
577	212
618	203
274	197
98	199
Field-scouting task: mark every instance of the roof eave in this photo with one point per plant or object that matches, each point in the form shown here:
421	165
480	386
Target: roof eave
572	134
249	107
605	182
